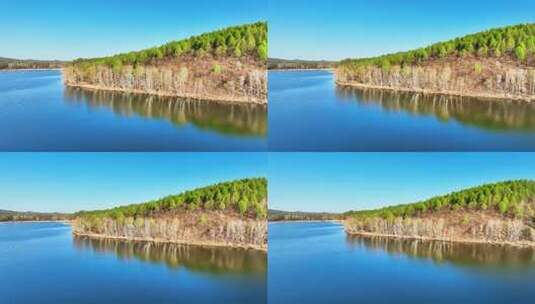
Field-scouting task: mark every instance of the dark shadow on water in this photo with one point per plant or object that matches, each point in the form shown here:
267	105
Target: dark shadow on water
477	256
231	119
208	260
495	115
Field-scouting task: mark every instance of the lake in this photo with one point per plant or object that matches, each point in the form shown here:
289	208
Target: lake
318	263
308	112
44	263
38	113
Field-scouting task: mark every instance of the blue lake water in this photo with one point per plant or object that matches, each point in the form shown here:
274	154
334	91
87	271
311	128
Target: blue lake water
42	263
317	263
38	113
308	112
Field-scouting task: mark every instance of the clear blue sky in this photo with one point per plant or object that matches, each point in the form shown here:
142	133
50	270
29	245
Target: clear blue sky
338	182
67	29
339	29
69	182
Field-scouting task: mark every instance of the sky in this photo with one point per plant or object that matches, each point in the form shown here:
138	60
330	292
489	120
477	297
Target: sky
69	182
305	29
339	29
339	182
66	29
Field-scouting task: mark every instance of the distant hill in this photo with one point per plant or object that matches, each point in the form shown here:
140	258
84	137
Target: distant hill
6	212
9	215
497	63
279	215
498	212
10	63
297	64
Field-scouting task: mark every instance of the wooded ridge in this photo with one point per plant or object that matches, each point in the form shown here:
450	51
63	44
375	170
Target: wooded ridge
501	212
225	65
226	214
498	63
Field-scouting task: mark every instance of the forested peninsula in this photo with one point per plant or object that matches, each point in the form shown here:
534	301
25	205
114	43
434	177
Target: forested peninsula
497	63
502	213
227	65
232	214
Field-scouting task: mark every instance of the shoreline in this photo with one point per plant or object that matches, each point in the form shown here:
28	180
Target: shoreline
33	221
306	221
188	243
302	70
47	69
432	92
222	100
525	244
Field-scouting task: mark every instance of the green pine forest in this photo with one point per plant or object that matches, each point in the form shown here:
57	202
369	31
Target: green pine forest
517	41
509	198
236	41
248	197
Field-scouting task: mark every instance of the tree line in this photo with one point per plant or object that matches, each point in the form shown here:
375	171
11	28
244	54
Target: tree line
279	216
17	64
248	197
284	64
516	41
510	198
236	41
33	217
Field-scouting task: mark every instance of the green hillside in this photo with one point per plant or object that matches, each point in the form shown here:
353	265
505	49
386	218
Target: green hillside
248	197
236	41
517	42
510	198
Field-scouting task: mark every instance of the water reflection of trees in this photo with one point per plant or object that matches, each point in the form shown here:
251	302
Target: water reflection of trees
501	115
212	260
465	254
232	119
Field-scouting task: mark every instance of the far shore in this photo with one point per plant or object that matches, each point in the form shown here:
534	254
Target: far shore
189	243
302	70
33	221
432	92
523	244
306	221
225	99
44	69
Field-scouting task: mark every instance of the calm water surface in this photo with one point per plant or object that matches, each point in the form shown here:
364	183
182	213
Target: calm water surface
38	113
318	263
43	263
308	112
